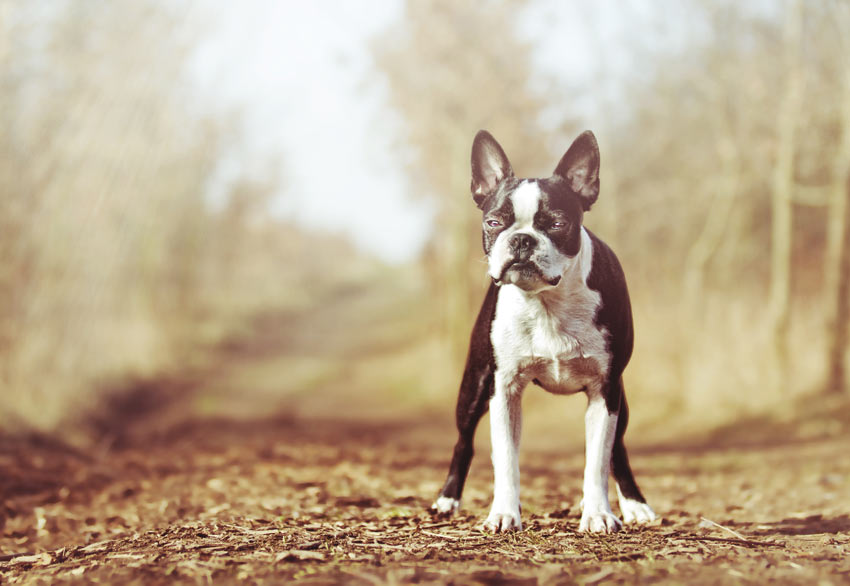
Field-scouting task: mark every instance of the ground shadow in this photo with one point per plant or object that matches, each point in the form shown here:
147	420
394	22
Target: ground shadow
813	417
35	465
811	525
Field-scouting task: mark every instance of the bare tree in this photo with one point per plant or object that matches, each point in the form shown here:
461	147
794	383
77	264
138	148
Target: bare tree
103	172
782	201
454	68
837	264
728	153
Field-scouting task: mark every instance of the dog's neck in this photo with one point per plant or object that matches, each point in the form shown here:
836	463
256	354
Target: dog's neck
557	322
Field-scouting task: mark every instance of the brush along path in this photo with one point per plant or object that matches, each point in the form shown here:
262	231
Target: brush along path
273	501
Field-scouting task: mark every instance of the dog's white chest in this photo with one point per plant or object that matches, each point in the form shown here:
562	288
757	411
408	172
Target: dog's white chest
550	338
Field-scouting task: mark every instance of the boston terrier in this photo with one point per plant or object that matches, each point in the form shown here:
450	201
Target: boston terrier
557	314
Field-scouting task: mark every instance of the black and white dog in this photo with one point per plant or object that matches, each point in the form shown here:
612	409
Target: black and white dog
557	314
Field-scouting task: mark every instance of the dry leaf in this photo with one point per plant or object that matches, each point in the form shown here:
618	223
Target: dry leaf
299	555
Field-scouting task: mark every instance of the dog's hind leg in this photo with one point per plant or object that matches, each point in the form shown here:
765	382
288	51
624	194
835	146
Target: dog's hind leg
476	388
633	506
473	401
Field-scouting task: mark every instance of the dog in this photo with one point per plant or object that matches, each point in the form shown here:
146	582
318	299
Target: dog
557	313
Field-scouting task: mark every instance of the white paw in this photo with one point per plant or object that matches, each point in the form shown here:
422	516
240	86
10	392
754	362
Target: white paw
502	522
599	520
636	512
445	505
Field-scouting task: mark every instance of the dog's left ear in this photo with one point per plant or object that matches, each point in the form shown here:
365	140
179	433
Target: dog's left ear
580	168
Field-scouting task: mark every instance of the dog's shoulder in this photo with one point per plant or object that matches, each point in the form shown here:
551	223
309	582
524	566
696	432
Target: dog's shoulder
614	313
606	270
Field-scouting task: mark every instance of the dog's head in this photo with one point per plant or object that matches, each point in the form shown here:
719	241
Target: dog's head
532	227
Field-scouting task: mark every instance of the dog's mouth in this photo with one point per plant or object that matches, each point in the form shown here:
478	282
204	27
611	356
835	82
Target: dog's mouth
525	275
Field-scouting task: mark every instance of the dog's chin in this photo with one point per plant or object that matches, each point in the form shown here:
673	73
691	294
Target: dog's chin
528	277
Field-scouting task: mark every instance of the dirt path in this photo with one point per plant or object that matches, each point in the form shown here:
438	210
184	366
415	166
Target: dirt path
273	501
190	482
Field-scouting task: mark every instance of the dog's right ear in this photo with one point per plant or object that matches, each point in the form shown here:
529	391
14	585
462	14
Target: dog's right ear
489	166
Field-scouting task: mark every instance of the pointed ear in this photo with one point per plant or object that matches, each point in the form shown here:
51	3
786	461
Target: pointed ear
489	166
580	168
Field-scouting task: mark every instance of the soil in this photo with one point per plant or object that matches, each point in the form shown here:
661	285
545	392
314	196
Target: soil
173	496
329	502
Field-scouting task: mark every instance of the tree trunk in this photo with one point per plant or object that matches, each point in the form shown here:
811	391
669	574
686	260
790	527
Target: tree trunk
838	322
837	277
706	244
783	182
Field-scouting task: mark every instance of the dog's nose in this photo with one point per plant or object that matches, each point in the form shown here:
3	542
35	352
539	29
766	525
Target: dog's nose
522	245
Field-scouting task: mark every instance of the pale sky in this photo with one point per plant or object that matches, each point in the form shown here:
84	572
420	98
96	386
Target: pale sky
301	76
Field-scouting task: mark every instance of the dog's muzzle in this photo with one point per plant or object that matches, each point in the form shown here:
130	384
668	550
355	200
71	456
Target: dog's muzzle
526	271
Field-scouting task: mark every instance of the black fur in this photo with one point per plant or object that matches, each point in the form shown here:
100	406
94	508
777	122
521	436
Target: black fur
615	316
498	206
620	457
560	204
476	389
570	192
580	168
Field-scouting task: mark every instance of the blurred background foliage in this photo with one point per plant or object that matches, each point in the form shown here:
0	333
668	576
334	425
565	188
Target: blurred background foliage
725	187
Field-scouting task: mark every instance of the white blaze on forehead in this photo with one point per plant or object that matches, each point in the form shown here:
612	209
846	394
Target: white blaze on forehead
526	200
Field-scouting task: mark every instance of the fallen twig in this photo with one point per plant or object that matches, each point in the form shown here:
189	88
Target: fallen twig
10	556
735	533
440	535
733	541
383	546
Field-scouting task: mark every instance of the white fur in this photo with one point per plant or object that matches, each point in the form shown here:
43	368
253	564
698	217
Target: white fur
445	504
539	335
634	511
550	336
505	430
526	202
600	428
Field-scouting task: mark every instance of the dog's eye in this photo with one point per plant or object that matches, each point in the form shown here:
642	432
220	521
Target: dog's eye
493	223
558	225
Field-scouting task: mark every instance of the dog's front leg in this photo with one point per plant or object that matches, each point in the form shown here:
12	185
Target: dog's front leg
600	429
505	430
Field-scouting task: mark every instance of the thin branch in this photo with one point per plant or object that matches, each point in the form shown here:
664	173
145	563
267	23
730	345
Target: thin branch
735	533
742	542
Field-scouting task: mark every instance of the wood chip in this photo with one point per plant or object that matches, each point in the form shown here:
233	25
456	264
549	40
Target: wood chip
38	559
299	555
